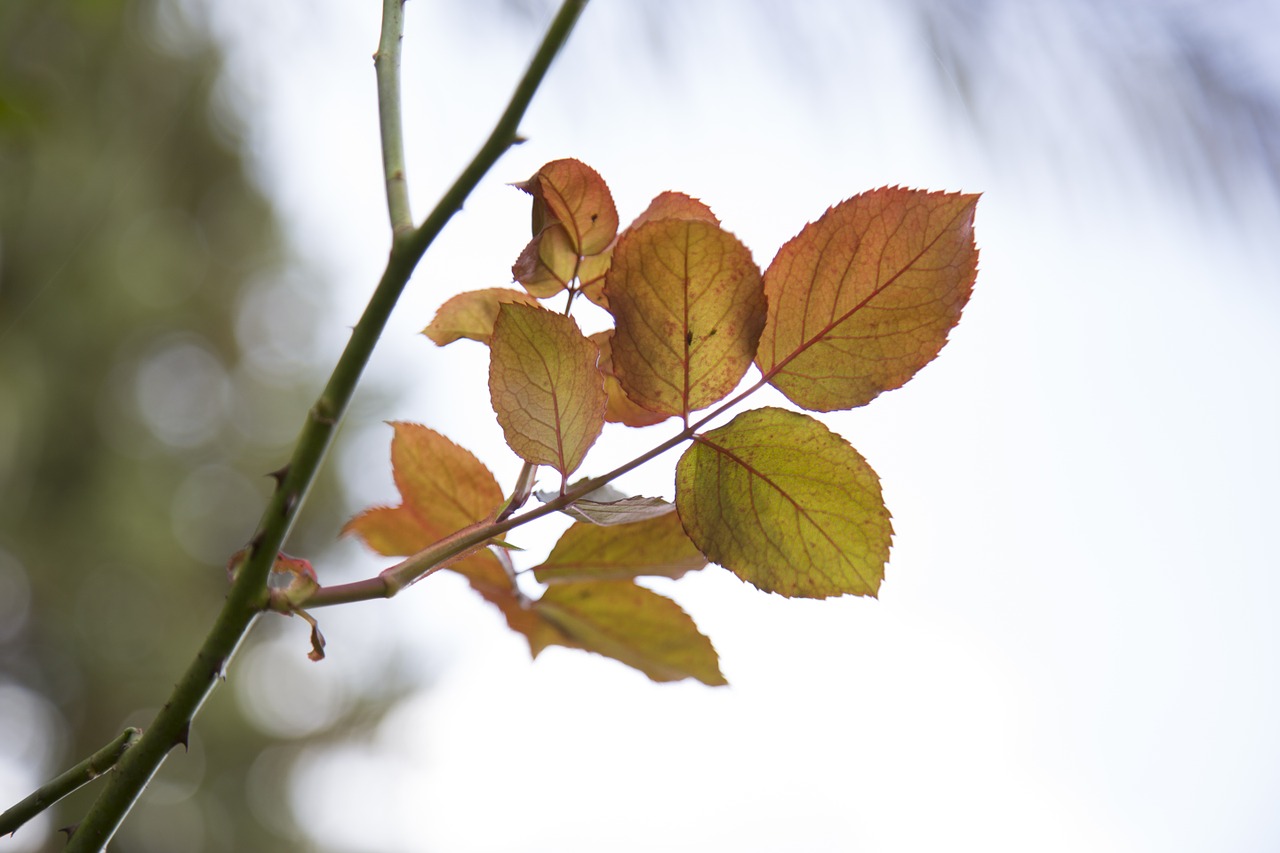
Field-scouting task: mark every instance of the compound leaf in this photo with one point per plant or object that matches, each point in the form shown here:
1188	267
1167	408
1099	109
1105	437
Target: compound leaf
863	298
689	307
786	505
546	388
634	625
471	315
657	546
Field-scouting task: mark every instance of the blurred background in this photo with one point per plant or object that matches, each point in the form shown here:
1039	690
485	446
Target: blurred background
1074	647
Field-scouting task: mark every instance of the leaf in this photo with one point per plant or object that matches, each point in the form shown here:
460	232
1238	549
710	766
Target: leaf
689	307
667	205
621	408
494	578
547	264
576	196
443	489
785	504
657	546
607	510
546	389
636	626
471	315
863	298
674	205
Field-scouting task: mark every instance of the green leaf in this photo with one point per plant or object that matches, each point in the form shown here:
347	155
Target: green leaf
631	624
546	389
689	307
863	298
785	504
656	546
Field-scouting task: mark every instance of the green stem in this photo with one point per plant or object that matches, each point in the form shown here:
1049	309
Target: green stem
386	63
82	774
248	594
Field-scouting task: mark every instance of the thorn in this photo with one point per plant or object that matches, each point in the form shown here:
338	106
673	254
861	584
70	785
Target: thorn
279	474
519	139
69	829
184	737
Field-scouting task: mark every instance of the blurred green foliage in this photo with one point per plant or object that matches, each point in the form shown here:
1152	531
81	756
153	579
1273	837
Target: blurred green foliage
136	258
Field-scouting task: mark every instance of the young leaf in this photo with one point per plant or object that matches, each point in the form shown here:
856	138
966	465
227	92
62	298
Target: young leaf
689	307
657	546
443	489
863	298
548	263
471	315
612	513
546	389
621	408
785	504
576	196
634	625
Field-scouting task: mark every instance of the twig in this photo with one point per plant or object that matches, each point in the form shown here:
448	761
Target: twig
80	775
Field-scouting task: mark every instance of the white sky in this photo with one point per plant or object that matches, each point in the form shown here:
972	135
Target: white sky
1074	648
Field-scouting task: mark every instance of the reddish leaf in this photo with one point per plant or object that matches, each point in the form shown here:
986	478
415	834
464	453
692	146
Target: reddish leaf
863	298
471	315
621	408
689	308
545	386
657	546
444	489
785	504
576	196
674	205
634	625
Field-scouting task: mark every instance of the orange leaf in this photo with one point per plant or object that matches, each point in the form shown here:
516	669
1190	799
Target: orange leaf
621	408
653	547
471	315
689	307
674	205
576	196
634	625
863	298
546	389
491	575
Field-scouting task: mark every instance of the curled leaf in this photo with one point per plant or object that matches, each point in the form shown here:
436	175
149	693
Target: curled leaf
546	389
786	505
863	298
577	197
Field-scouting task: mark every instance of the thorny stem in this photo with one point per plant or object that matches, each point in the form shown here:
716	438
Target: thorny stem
248	593
80	775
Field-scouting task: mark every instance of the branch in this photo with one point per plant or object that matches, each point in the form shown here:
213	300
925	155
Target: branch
248	594
80	775
386	63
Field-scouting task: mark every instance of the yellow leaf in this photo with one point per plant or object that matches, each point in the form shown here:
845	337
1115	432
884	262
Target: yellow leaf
653	547
863	298
689	307
634	625
471	315
546	388
547	264
785	504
